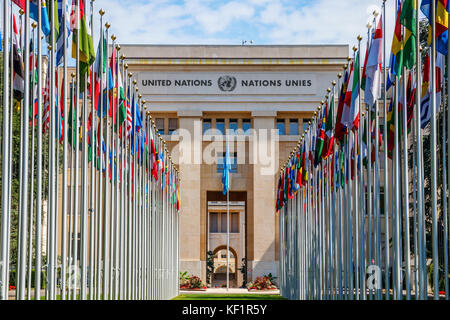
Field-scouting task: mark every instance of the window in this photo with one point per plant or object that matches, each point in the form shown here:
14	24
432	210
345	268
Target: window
281	127
221	160
223	222
160	125
220	126
233	126
173	125
234	228
206	125
293	127
214	222
218	222
305	124
246	125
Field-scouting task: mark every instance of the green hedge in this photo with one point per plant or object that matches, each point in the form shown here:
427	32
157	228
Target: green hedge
12	278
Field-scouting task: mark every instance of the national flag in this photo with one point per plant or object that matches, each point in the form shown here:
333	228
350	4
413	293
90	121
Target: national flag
45	23
441	23
46	100
350	116
425	93
154	165
329	130
397	45
64	21
374	62
226	170
426	100
86	47
408	20
340	129
320	142
18	72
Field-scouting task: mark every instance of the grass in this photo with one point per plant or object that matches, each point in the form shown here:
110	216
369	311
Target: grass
215	296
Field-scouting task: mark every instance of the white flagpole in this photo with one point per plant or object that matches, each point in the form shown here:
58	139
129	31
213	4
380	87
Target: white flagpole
6	214
434	156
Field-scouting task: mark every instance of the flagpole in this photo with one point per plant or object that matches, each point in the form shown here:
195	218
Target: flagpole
91	181
358	236
447	214
406	181
385	146
65	166
101	175
23	209
228	229
6	214
434	157
31	223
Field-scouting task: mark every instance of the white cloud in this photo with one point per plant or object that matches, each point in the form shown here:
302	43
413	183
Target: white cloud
228	22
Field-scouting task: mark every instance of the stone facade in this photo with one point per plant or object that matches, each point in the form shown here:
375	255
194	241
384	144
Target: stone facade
192	88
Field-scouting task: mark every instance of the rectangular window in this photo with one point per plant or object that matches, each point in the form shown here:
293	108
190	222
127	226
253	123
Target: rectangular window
246	125
223	222
281	127
173	125
220	126
233	126
293	127
234	222
221	159
305	124
214	222
160	125
206	125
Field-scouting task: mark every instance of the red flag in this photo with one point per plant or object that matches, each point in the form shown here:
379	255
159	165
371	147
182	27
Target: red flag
20	3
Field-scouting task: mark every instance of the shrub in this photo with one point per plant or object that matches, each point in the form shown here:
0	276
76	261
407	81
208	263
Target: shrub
261	283
193	282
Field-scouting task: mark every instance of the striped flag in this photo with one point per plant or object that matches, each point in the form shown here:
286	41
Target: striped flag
64	21
18	75
374	61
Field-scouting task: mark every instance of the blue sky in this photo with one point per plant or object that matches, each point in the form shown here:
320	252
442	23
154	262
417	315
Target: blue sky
231	21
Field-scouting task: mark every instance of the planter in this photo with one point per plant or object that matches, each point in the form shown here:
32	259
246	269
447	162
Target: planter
252	290
192	289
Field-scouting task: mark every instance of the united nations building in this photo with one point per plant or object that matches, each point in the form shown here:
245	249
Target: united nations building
256	94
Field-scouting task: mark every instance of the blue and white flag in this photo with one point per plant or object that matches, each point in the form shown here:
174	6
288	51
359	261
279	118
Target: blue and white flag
64	19
45	23
226	170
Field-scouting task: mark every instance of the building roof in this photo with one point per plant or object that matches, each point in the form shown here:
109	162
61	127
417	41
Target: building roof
142	51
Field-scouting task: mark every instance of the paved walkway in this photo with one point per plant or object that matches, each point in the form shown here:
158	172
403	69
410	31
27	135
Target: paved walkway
230	291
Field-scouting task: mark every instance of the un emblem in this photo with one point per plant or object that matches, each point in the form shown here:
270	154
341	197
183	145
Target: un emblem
227	83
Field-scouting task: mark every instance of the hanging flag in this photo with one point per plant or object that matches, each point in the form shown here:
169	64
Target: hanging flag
340	129
45	23
33	85
18	72
397	46
86	52
408	20
329	129
441	23
226	170
373	88
350	115
64	21
319	142
411	96
426	85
